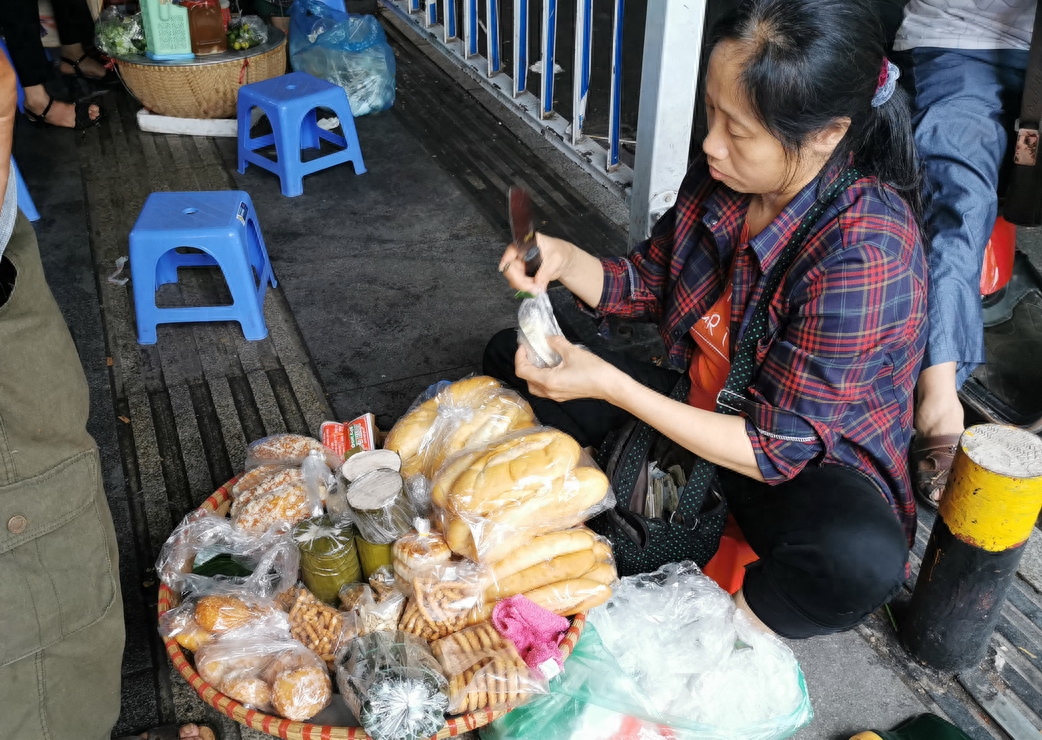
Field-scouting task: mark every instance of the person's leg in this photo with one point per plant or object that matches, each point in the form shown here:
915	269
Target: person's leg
831	549
76	33
587	420
964	102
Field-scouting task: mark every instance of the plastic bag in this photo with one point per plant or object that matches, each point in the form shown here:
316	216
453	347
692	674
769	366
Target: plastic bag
417	552
266	669
450	417
246	31
700	663
323	629
374	613
394	686
328	557
447	598
119	35
490	501
287	449
379	506
484	670
536	322
206	552
199	619
348	50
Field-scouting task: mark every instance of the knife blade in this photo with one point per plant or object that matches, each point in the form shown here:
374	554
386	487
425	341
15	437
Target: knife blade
522	229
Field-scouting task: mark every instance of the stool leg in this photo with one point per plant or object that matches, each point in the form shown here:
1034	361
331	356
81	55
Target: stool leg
142	282
259	253
246	298
286	128
243	133
309	138
347	126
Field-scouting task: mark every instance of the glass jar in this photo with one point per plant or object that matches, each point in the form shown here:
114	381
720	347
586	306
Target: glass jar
206	25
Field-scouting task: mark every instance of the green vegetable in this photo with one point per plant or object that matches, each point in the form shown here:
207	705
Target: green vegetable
120	36
523	294
222	565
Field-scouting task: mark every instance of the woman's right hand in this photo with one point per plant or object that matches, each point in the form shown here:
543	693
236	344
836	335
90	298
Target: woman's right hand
557	258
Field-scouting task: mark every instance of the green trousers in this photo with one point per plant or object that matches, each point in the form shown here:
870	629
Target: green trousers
61	613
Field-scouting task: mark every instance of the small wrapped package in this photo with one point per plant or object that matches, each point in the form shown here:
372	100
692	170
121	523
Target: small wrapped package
566	572
200	618
287	449
328	557
323	629
394	686
536	322
206	552
447	598
246	31
417	552
380	507
373	613
268	670
286	495
491	501
469	412
484	670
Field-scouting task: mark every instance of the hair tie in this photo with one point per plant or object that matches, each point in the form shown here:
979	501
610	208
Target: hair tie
886	84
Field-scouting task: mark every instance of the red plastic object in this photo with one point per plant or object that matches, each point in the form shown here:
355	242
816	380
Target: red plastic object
998	257
727	567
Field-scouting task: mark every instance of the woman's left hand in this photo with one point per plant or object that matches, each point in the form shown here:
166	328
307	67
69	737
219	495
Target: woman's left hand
580	374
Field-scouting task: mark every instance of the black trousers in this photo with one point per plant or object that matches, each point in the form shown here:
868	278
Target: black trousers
831	549
20	25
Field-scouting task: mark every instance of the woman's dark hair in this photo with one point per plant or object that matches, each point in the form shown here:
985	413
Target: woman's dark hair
811	62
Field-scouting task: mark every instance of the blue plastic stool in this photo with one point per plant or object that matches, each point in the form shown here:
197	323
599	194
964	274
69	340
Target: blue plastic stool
290	103
223	225
25	201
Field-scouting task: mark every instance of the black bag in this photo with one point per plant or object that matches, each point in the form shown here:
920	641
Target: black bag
693	531
1023	203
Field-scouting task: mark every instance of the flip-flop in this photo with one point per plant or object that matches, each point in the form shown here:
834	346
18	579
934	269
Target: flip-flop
172	732
931	460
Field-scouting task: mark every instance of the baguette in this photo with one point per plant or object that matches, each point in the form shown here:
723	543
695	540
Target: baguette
602	573
594	600
564	596
561	568
602	552
547	547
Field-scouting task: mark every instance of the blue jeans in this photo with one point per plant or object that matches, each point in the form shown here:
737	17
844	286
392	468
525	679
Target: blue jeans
964	103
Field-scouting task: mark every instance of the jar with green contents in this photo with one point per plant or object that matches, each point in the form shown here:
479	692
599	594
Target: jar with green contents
328	557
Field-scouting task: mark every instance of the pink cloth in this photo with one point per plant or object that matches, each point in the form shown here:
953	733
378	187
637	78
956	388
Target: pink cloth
534	631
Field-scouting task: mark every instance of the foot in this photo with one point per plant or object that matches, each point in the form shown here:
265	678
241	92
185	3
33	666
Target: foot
939	422
175	732
931	461
90	67
59	113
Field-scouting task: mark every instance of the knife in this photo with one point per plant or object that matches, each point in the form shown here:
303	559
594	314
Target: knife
522	228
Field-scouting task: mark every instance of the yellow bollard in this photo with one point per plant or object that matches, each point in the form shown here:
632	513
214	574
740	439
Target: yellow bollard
989	507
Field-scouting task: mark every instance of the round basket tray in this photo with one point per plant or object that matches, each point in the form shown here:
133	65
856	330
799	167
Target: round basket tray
219	503
204	87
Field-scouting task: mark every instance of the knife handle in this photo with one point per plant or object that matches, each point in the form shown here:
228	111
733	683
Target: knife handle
533	260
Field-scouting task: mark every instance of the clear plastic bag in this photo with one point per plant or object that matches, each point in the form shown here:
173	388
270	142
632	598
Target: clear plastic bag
119	35
416	552
379	506
490	501
266	669
374	613
245	32
328	557
287	449
484	670
348	50
450	597
536	322
394	686
699	665
207	552
200	618
468	413
321	628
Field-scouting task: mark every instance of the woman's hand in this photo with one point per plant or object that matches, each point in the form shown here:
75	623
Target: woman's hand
580	374
557	258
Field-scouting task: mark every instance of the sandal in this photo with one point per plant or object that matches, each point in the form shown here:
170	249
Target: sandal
171	732
83	119
109	80
931	460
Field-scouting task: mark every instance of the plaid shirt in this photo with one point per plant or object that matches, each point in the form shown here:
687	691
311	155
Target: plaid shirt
846	332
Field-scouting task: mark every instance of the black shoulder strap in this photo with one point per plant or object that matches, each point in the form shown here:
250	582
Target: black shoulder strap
1023	204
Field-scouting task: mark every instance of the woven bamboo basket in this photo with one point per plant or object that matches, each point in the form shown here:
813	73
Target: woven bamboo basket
205	88
219	503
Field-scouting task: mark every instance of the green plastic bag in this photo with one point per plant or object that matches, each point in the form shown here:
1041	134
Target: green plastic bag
594	699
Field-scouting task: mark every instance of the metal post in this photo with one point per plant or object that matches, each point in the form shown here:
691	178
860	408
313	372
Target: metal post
492	37
615	99
581	68
470	28
546	87
520	46
669	81
989	507
448	12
